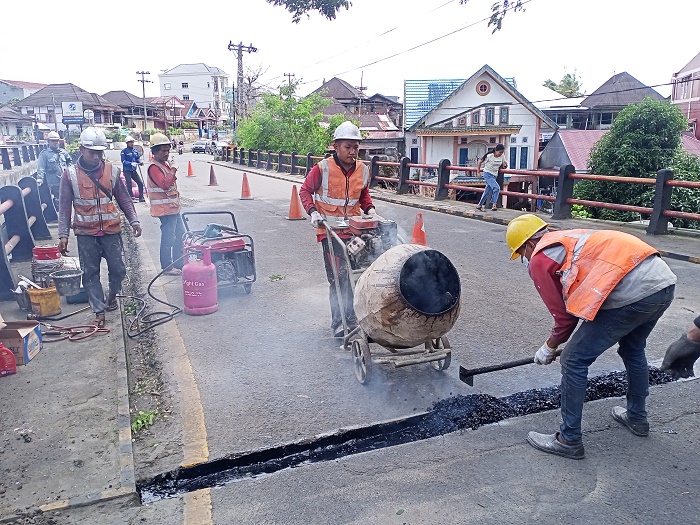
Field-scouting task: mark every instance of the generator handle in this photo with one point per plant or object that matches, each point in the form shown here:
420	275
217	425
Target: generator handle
186	214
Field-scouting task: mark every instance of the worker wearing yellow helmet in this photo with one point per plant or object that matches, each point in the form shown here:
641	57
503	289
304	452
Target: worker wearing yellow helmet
619	287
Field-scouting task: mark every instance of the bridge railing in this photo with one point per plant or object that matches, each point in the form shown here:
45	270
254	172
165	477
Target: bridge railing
396	176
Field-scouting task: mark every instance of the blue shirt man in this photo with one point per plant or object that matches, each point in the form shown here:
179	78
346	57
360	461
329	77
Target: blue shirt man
52	161
131	160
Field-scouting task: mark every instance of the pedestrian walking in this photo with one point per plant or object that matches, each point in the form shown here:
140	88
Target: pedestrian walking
52	162
90	186
619	287
681	354
338	187
165	204
491	163
131	160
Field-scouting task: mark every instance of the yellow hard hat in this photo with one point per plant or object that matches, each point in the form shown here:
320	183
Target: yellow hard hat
520	230
158	139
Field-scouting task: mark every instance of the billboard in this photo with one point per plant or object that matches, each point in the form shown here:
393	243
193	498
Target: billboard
72	109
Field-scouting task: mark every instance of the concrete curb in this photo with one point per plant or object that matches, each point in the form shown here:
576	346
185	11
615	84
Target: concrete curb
446	208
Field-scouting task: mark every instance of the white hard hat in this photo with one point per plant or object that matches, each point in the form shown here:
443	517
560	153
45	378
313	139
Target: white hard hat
158	139
348	131
129	138
94	139
53	136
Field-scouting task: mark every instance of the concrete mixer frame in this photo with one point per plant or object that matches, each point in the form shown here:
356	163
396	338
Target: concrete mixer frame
437	352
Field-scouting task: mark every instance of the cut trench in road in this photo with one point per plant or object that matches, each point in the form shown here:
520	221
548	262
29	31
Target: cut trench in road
445	416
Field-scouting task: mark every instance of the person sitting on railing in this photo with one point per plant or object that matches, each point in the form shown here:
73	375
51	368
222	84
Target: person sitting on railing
491	163
52	161
338	187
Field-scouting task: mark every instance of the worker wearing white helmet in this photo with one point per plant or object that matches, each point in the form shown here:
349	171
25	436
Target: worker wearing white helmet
52	161
91	186
131	160
338	187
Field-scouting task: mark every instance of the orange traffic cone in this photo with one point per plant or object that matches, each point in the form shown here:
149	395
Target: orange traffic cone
419	231
295	207
212	177
245	190
190	171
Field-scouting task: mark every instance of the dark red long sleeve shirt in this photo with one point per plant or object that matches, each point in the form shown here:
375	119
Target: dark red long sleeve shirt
313	183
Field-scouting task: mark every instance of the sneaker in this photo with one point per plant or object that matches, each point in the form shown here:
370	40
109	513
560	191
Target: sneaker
494	207
479	208
338	332
638	428
550	444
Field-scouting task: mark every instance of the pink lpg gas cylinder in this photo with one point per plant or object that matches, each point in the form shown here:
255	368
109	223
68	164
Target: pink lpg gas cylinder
199	282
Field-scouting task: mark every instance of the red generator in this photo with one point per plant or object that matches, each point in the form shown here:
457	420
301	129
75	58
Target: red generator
232	252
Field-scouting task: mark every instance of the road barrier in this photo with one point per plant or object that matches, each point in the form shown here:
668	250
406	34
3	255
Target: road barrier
23	222
21	153
442	181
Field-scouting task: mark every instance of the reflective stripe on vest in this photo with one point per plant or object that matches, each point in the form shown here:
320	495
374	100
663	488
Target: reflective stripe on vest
94	211
595	262
163	202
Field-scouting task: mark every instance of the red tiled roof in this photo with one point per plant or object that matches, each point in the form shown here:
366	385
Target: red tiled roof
578	144
691	144
22	84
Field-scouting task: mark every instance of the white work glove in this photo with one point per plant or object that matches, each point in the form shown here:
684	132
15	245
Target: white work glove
545	355
134	165
371	211
316	219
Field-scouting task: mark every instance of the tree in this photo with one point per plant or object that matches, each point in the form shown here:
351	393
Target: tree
330	8
327	8
643	139
280	122
569	86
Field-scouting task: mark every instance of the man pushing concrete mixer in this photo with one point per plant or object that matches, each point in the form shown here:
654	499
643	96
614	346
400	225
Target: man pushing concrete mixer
338	187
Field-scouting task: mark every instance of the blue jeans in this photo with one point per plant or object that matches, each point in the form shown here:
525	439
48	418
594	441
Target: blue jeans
629	326
171	231
491	190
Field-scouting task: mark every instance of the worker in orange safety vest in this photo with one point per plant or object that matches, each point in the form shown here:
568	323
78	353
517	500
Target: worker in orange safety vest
619	287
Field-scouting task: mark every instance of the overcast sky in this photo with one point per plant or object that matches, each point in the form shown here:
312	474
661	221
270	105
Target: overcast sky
100	46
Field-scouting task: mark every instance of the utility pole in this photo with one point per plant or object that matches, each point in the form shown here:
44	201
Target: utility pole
55	118
289	77
239	48
362	90
143	85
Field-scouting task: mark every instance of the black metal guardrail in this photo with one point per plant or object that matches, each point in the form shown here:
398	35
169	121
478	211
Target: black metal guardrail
26	208
562	202
20	154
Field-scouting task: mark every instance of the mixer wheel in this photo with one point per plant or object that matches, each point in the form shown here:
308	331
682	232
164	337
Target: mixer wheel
440	344
361	360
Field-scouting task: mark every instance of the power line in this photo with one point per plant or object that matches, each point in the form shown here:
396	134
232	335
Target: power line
143	85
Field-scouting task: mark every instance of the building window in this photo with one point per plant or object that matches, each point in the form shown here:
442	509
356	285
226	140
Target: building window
504	115
448	125
98	117
185	97
483	88
606	119
462	121
492	140
513	156
513	140
166	85
185	85
489	115
524	140
560	119
208	84
523	158
475	118
414	141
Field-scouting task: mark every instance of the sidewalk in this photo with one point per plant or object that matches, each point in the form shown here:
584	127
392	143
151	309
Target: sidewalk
683	246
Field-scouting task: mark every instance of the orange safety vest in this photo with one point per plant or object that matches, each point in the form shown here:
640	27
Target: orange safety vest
338	195
596	261
163	202
94	211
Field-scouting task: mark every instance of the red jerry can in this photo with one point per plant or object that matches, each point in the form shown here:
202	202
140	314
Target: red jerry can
199	282
8	363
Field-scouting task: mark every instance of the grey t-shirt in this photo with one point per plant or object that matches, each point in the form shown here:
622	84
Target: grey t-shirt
492	163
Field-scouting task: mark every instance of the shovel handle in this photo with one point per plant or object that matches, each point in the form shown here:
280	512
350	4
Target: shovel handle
466	375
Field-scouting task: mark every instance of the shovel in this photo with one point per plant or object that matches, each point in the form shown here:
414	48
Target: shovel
467	376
